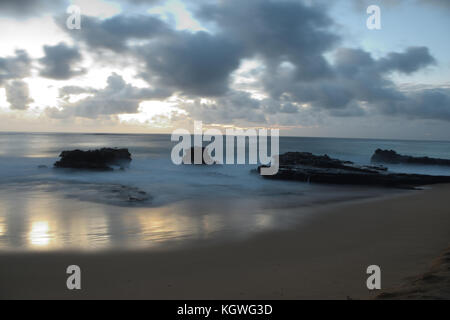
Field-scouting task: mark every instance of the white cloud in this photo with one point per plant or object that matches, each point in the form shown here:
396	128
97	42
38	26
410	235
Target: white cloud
157	113
175	10
30	35
98	8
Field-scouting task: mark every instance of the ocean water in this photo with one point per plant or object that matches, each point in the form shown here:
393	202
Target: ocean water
46	209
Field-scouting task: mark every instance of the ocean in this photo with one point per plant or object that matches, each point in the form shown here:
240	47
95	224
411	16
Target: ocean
46	209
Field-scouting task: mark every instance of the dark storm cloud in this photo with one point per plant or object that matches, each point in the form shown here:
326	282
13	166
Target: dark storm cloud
360	85
424	104
191	63
279	31
201	63
290	39
15	67
353	61
117	98
412	60
195	64
21	8
60	62
18	95
115	33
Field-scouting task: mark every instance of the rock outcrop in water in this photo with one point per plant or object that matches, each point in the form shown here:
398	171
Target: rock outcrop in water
102	159
189	157
306	167
390	156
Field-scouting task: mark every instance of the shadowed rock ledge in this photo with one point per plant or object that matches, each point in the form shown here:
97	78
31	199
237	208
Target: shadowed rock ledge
306	167
390	156
102	159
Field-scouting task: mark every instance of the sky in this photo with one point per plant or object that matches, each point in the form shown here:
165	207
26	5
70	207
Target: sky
306	67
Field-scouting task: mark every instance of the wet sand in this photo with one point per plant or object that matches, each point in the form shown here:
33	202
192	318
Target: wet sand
325	257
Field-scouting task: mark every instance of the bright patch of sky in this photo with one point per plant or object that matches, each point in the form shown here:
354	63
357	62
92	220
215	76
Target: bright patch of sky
402	25
31	34
176	12
156	113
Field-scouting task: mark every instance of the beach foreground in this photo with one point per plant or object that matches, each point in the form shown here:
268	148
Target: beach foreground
325	257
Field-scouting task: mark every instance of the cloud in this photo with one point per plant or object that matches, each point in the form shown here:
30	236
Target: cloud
230	108
424	104
195	64
362	4
142	2
295	81
442	3
66	91
60	62
278	31
412	60
190	63
201	63
15	67
21	8
359	83
116	32
17	94
117	97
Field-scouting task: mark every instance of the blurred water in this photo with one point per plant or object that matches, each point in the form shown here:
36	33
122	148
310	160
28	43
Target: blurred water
47	209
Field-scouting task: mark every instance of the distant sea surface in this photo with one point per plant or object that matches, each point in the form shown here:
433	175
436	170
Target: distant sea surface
46	209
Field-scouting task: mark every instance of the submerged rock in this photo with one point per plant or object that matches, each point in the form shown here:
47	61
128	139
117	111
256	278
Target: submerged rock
390	156
189	157
306	167
127	194
103	193
101	159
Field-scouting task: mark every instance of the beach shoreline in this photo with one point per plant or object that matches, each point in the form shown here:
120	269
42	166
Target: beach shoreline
324	257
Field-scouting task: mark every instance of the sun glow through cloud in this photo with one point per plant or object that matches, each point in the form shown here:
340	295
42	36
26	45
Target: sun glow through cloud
153	113
228	63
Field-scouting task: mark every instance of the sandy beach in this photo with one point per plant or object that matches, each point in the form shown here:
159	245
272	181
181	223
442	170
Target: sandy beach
323	258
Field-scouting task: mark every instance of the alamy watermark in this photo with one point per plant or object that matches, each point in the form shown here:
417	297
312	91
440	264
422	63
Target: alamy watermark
74	280
74	20
374	20
213	153
374	280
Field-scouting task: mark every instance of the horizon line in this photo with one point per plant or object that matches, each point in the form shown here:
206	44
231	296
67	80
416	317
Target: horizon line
161	133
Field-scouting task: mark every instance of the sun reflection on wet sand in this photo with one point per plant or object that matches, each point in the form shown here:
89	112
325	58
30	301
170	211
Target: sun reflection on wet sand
2	227
44	220
161	226
39	235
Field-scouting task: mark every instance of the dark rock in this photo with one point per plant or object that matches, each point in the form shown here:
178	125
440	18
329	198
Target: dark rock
310	160
101	159
111	194
306	167
189	157
390	156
